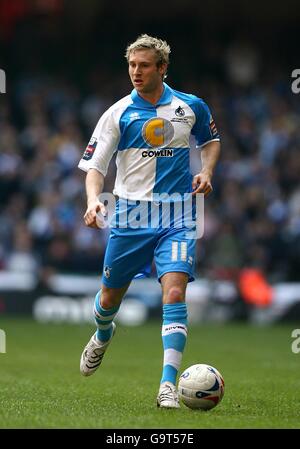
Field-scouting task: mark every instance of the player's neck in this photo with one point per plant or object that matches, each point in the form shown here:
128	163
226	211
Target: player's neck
152	97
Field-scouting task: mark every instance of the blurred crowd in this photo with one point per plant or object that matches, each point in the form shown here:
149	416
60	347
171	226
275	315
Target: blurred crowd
252	218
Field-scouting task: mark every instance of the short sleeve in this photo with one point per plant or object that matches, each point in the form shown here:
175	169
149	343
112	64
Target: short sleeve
204	129
103	144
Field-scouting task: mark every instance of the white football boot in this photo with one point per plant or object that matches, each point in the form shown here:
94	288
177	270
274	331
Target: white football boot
93	353
167	396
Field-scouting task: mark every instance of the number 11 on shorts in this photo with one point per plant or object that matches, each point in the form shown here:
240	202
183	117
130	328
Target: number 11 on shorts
183	251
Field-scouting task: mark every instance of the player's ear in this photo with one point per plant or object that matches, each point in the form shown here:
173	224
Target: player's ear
162	68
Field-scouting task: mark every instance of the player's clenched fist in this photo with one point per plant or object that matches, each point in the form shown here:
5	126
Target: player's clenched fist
202	183
95	211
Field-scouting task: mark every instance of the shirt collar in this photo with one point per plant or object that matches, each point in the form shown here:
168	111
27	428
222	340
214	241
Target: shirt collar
165	98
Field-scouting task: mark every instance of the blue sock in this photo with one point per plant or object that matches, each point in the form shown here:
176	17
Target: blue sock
174	333
103	319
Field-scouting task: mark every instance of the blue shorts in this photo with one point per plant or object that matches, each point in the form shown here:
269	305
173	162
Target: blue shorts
131	248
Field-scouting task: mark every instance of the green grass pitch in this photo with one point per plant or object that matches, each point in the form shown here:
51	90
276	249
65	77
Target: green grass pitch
41	386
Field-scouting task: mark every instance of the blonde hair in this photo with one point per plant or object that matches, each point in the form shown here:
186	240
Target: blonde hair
144	41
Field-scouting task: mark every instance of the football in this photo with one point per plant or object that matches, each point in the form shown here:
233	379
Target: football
201	387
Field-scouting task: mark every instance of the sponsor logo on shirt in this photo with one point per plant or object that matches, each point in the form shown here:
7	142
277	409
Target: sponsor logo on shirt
158	153
157	132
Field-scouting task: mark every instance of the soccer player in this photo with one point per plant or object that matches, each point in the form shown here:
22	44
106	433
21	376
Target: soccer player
150	130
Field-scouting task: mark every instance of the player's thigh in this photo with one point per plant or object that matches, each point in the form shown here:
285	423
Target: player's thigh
127	253
175	253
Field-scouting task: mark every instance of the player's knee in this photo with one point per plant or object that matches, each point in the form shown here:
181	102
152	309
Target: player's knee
174	294
109	300
106	302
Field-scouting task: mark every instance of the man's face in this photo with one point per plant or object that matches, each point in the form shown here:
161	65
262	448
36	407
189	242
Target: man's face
145	76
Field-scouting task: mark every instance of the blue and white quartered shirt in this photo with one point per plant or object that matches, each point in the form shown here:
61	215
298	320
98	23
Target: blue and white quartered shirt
152	143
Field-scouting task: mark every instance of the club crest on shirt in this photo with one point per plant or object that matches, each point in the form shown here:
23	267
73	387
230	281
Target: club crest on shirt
180	116
89	151
180	112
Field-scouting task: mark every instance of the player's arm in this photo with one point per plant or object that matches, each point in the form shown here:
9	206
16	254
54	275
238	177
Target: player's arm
210	154
208	139
95	162
94	183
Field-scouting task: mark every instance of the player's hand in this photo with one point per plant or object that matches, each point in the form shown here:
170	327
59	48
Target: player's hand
202	183
92	216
